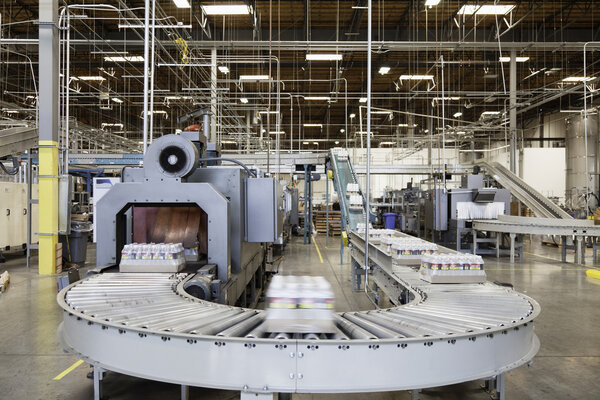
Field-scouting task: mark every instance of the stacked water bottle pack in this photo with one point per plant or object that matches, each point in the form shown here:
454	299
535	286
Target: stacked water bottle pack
452	268
352	188
360	228
401	247
152	257
377	235
355	201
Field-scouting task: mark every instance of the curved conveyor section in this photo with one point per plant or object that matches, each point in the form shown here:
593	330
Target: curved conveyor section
145	325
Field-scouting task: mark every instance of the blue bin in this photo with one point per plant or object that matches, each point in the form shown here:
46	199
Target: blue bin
390	220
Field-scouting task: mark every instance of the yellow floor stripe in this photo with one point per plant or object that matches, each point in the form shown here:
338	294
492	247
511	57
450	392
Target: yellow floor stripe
66	371
318	251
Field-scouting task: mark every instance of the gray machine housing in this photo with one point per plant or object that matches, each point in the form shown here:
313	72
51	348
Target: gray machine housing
242	214
440	207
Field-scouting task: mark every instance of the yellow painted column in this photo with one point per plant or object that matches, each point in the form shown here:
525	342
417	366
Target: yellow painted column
48	206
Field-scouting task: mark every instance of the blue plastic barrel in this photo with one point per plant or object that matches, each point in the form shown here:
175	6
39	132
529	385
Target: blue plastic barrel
390	220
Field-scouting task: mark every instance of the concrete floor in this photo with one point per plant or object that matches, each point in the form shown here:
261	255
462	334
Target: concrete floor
567	366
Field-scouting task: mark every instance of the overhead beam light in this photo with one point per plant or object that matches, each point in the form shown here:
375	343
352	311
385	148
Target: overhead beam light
317	98
491	9
490	114
457	115
352	116
225	9
362	100
431	3
407	125
277	133
254	77
244	100
518	59
384	70
312	125
576	79
182	3
324	57
223	69
381	112
117	100
268	112
124	58
416	77
90	78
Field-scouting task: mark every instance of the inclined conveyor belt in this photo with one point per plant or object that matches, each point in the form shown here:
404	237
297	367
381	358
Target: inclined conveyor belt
146	325
537	202
343	175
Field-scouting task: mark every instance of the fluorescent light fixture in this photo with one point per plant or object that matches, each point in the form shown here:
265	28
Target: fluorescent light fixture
124	58
317	98
457	115
381	112
254	77
313	125
352	115
90	78
182	3
226	9
324	57
431	3
518	59
268	112
362	100
416	77
407	126
117	100
244	100
277	133
490	114
384	70
387	143
446	98
304	143
342	130
178	97
110	125
337	142
223	69
491	9
575	79
228	142
316	143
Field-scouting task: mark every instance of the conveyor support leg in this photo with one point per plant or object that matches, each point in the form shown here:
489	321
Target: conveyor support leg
512	248
185	392
501	387
257	396
98	376
498	243
564	248
579	250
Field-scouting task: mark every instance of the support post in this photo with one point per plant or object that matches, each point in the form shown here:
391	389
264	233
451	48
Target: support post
213	96
512	247
326	208
513	111
185	392
48	139
98	376
501	387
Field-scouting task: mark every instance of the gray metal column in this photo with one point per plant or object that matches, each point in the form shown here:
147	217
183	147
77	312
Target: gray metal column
213	96
513	111
48	71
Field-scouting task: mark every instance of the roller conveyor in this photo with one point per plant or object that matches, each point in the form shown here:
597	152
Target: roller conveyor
146	325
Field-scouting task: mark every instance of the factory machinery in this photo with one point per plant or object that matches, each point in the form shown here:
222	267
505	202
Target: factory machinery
159	326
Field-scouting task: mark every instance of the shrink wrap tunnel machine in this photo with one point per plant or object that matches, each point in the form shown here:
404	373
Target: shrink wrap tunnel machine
223	213
450	212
